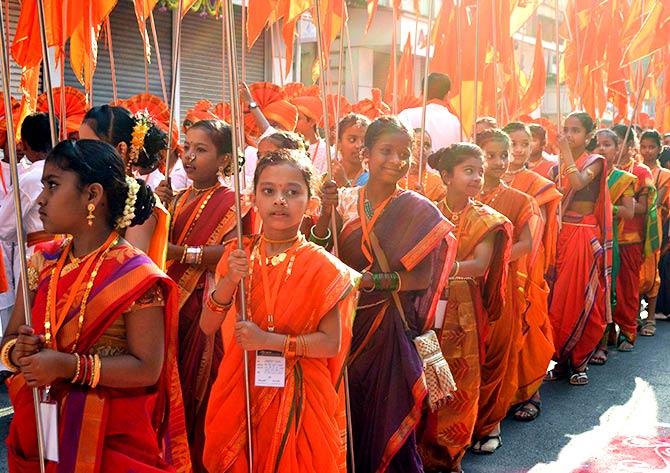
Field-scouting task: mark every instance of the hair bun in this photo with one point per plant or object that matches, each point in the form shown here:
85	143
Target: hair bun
144	205
434	160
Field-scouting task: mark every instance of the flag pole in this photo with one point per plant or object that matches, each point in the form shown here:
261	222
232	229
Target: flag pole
459	62
173	86
476	94
333	224
233	83
638	101
394	59
340	67
426	64
20	233
47	73
557	40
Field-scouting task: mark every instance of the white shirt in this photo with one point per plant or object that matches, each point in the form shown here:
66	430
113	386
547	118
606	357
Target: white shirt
251	157
152	179
317	152
30	186
178	177
443	126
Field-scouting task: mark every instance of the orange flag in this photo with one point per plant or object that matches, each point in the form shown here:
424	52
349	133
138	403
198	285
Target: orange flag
142	10
617	75
84	40
538	82
404	75
653	35
663	103
262	11
27	45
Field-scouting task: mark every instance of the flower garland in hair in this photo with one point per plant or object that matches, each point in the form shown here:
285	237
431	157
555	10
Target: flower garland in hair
143	123
129	210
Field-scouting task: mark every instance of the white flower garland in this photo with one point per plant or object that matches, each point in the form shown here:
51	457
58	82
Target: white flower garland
129	210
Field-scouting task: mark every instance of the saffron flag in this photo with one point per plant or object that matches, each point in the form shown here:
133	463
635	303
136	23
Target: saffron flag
538	81
653	35
143	8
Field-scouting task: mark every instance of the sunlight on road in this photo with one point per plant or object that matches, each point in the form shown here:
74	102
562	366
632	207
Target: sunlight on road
637	418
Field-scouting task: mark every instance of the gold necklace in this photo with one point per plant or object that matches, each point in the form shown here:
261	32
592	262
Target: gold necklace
279	242
456	216
205	189
514	173
490	197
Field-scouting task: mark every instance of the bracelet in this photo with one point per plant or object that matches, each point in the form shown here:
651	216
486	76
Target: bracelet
303	346
84	372
5	355
363	274
183	255
399	281
615	210
75	378
457	269
215	306
318	240
290	347
284	351
199	255
97	367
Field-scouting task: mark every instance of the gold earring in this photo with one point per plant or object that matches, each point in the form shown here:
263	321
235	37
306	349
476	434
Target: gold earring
90	217
221	171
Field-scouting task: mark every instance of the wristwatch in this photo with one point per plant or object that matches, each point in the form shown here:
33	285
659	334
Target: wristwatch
252	105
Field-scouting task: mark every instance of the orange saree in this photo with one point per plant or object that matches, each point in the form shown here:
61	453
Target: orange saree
301	427
650	278
538	345
209	219
501	365
472	305
103	429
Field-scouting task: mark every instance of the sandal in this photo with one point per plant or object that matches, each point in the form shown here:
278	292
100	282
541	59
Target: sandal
579	378
659	316
556	375
478	448
599	358
528	411
648	328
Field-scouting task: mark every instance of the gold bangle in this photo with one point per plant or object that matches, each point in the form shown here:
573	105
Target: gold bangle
97	367
75	378
5	355
458	267
215	306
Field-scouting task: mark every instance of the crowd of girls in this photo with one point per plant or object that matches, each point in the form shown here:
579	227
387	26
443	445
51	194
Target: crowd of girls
138	341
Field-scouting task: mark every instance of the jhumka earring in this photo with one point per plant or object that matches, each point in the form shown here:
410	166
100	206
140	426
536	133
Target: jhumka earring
90	217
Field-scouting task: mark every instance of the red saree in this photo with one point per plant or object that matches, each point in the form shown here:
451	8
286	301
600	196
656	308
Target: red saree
473	304
579	300
501	365
207	220
301	427
543	167
104	429
537	347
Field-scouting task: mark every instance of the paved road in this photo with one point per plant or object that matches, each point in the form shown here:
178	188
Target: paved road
567	410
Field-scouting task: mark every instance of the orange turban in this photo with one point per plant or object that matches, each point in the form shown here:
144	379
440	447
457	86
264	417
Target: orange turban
373	107
332	101
200	111
282	113
310	106
75	107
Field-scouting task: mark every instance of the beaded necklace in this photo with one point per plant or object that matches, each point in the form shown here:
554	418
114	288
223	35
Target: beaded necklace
100	254
204	199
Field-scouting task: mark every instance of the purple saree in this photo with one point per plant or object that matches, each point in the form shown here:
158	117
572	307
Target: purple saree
387	384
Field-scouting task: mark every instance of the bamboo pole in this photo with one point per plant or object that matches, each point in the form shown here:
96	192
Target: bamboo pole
20	233
233	83
426	64
173	86
47	74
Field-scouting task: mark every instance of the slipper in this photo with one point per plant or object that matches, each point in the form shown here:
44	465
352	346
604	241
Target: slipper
648	328
555	375
484	441
580	378
622	339
531	408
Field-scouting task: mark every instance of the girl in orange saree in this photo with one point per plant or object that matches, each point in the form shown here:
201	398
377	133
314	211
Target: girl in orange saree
501	365
103	346
537	347
405	269
579	300
203	218
476	298
300	306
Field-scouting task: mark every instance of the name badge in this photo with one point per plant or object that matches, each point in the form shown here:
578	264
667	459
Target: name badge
49	413
440	311
270	369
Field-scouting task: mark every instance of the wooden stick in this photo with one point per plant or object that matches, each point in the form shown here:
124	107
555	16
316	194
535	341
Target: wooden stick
459	62
13	168
233	83
557	39
47	75
476	94
158	56
638	101
426	64
173	86
108	28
